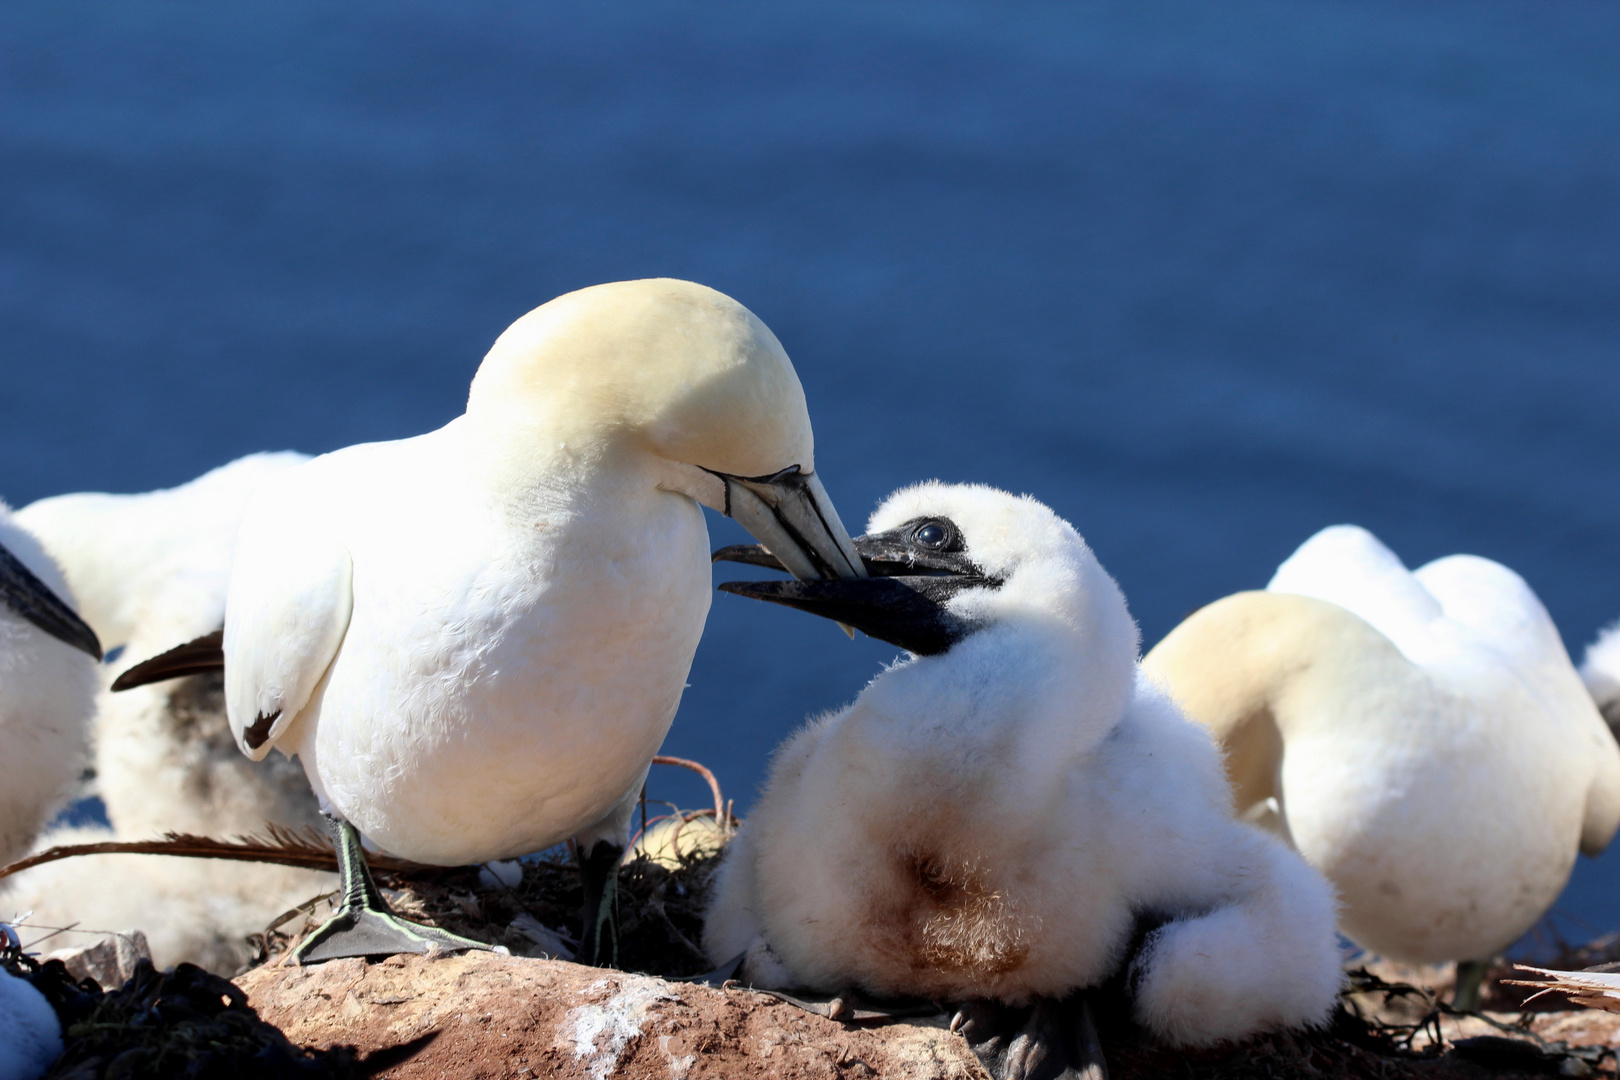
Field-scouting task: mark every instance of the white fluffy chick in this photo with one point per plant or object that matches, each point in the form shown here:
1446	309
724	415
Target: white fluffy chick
997	814
47	688
148	570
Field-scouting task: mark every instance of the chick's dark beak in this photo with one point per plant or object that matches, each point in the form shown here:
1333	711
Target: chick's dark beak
24	593
904	611
902	601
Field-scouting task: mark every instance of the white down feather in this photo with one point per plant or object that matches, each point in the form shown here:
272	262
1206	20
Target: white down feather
994	820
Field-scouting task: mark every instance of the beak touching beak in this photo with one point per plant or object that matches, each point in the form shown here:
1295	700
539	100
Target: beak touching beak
795	522
31	598
901	599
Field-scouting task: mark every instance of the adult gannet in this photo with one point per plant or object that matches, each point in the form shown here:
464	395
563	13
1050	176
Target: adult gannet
1424	736
997	814
1600	670
475	639
47	688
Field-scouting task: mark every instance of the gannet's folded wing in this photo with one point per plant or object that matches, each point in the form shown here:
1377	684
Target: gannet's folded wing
285	616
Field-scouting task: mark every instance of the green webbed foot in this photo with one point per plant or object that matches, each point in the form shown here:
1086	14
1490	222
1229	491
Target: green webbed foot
364	924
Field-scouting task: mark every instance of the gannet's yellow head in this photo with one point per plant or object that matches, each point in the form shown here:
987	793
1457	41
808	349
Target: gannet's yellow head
680	377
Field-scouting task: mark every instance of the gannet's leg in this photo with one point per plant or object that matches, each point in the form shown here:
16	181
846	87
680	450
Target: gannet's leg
364	925
600	849
599	874
1470	980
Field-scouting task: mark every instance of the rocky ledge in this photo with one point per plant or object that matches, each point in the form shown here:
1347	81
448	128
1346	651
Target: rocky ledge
486	1015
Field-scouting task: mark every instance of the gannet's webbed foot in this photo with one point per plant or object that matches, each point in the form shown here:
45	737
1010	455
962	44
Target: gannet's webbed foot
364	932
599	927
1049	1040
364	924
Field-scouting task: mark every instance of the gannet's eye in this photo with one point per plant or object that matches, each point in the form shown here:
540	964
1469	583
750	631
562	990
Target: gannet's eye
932	534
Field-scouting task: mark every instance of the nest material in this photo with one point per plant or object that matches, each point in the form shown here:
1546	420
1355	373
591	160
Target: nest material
160	1025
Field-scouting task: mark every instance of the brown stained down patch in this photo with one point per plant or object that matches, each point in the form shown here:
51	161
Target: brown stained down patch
959	923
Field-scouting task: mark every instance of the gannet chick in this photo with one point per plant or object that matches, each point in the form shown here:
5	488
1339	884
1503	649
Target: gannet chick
149	570
47	688
1600	670
476	639
997	814
1425	739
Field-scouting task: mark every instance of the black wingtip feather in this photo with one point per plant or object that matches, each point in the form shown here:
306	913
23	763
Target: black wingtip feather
205	654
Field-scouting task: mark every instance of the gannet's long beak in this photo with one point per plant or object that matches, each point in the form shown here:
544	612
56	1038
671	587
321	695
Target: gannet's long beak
901	601
31	598
794	520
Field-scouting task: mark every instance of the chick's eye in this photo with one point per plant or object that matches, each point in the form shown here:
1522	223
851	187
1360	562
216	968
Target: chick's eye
932	534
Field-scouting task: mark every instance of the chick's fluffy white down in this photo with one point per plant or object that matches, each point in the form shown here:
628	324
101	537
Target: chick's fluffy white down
996	820
47	696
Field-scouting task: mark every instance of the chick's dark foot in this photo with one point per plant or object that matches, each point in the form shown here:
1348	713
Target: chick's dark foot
1048	1040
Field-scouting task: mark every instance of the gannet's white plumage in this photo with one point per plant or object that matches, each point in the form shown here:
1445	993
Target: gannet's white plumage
47	696
1600	670
993	820
1426	739
475	639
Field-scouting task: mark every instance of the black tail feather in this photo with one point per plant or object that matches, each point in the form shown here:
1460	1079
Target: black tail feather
205	654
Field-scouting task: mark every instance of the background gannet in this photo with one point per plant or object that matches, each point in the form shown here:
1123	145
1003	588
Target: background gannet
47	688
995	816
1424	736
148	570
1600	670
476	639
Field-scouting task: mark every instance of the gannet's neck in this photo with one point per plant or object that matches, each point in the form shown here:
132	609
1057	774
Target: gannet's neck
1234	663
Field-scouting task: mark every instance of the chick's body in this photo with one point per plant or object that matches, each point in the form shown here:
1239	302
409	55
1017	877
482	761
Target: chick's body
1002	819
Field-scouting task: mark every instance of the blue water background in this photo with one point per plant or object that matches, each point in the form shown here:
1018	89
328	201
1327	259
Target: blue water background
1205	278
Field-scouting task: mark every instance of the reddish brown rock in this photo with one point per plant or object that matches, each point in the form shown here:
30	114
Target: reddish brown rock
503	1016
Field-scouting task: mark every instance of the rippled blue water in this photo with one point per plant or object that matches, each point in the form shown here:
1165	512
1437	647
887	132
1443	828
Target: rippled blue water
1204	278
